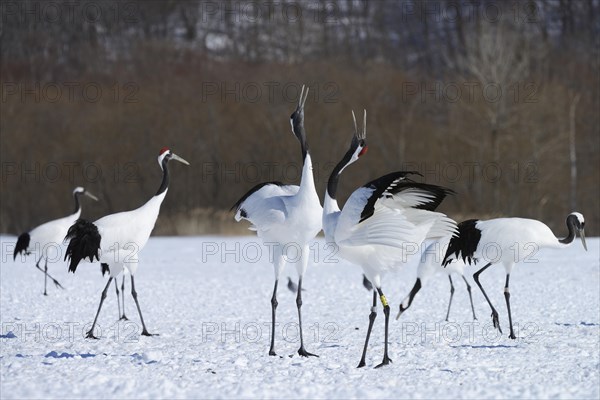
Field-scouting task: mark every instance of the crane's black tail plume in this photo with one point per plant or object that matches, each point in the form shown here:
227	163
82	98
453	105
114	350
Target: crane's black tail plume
84	243
104	268
464	243
22	245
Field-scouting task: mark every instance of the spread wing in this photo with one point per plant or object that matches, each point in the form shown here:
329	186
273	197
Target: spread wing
263	205
393	211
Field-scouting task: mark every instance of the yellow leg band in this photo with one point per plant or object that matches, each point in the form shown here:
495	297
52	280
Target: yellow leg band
383	300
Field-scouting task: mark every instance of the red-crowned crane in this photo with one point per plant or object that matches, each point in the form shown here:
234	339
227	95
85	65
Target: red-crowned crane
286	215
379	221
116	239
42	238
507	241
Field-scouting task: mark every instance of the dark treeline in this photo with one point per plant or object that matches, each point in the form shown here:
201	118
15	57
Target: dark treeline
496	100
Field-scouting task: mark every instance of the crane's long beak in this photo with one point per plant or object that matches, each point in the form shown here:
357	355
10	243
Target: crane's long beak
181	160
582	236
91	196
302	99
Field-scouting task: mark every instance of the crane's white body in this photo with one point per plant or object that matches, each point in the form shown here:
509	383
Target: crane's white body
508	241
284	215
124	234
50	235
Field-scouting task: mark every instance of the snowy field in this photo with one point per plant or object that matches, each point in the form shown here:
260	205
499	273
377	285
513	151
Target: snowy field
209	299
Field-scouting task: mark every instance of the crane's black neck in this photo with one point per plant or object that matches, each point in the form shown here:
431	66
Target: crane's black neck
305	150
332	183
77	205
571	225
298	129
411	295
301	135
164	185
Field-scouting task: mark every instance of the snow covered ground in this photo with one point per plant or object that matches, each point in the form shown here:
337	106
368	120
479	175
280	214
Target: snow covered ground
209	299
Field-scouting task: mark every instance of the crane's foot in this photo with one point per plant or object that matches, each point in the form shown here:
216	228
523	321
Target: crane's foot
303	353
361	363
496	321
386	361
45	294
146	333
57	284
90	335
124	318
272	352
512	336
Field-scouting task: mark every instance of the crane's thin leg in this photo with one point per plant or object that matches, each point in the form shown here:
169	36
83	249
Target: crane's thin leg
372	317
278	265
118	299
302	351
451	295
90	334
507	298
495	320
273	308
124	317
46	277
134	294
470	297
386	312
37	265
